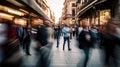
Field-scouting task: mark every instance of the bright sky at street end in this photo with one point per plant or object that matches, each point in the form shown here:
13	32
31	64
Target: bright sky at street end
56	6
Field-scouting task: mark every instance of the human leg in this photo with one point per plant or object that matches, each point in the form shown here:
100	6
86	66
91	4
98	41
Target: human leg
64	42
58	38
68	40
86	51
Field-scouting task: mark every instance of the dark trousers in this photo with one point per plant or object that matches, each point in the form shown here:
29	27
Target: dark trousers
71	35
21	41
68	40
86	51
58	39
27	45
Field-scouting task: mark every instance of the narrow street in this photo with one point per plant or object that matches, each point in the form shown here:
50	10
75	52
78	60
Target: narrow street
75	57
56	57
27	25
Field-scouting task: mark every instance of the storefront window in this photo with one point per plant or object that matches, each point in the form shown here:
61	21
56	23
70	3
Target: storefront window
3	35
104	16
96	21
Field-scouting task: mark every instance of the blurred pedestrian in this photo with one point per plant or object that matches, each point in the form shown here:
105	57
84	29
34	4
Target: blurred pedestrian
50	32
80	28
71	32
109	43
66	34
74	31
55	31
58	32
42	36
20	35
96	35
27	40
86	40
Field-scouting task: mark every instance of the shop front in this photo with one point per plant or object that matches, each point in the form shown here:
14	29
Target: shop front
97	14
13	14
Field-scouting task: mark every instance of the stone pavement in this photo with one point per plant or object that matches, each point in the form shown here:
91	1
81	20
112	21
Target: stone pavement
51	56
75	57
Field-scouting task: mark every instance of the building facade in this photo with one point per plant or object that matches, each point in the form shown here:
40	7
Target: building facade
95	11
16	13
43	4
68	12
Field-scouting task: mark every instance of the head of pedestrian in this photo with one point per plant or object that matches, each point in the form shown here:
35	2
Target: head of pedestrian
45	23
85	23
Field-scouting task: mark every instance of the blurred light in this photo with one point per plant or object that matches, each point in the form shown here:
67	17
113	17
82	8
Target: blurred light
10	10
107	13
31	14
24	11
15	12
37	22
20	21
6	16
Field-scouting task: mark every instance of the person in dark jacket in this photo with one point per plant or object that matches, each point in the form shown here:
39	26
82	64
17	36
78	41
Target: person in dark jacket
86	40
27	40
58	35
42	36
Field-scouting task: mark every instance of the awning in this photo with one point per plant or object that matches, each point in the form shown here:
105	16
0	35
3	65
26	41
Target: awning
92	4
34	5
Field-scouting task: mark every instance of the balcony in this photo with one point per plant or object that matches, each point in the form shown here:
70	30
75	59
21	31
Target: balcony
85	6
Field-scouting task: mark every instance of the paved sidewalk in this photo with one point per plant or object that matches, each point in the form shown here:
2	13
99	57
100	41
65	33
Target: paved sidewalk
75	57
50	56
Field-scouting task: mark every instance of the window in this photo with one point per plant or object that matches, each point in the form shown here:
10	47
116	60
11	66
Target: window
78	1
73	4
73	12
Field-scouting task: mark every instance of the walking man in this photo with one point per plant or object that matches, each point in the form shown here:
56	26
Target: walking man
66	33
86	40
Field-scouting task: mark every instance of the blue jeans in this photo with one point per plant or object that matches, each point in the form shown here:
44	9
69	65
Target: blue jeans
68	40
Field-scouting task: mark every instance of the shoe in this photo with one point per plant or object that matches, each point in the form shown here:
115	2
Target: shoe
57	46
28	54
69	49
